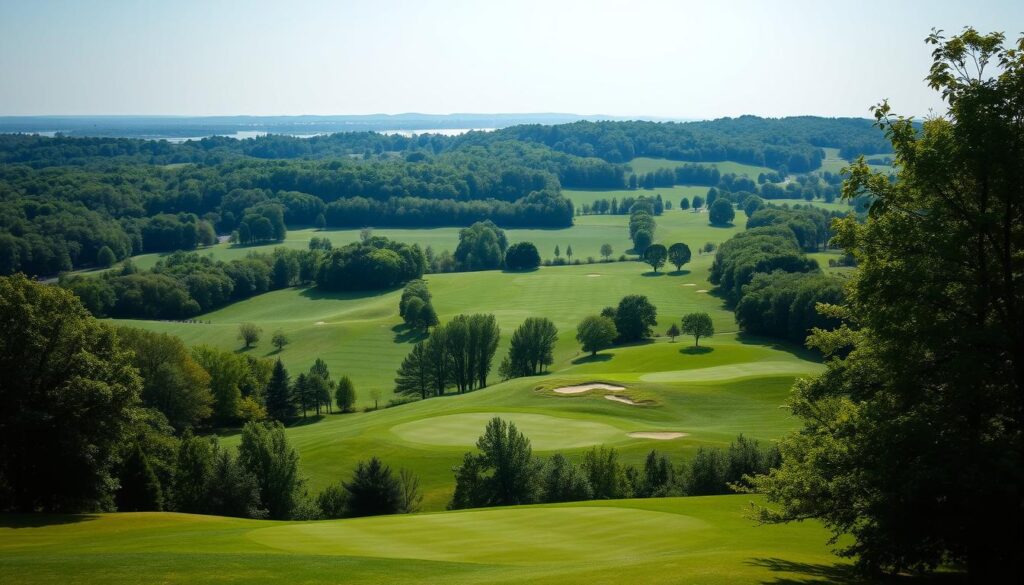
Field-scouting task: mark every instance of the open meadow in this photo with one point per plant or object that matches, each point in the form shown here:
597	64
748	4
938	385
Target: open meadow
700	540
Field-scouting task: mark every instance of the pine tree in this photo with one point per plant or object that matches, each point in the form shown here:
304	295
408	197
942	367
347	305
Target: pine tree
279	400
140	489
414	373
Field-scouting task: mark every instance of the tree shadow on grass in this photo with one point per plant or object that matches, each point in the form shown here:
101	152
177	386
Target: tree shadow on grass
840	574
41	520
308	420
407	334
682	272
780	345
698	350
651	273
593	359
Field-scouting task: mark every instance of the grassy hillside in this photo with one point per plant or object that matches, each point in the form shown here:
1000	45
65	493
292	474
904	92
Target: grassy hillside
680	540
643	164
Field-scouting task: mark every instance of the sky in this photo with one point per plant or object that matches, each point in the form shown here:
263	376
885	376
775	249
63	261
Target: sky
693	60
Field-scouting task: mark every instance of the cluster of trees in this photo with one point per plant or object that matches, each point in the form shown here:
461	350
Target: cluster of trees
614	207
531	350
415	307
370	264
774	288
787	144
457	354
545	208
641	225
185	284
811	225
630	321
505	472
98	418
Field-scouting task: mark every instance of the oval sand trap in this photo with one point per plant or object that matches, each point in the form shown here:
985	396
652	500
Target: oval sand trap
657	435
585	387
621	399
593	274
545	432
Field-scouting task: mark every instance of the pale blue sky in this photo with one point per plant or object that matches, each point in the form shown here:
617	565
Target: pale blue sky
676	59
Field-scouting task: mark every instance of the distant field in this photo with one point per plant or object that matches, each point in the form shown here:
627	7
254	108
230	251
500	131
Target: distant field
643	164
834	163
702	540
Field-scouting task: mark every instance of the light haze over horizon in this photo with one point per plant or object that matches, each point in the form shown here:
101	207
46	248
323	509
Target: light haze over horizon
688	60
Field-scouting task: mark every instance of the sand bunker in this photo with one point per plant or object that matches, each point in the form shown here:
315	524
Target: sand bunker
688	284
702	290
657	435
585	387
621	399
593	274
319	323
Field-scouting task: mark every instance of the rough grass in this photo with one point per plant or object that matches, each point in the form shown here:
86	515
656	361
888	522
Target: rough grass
680	540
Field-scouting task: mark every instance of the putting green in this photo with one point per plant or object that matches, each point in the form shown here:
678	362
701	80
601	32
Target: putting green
718	373
527	536
546	432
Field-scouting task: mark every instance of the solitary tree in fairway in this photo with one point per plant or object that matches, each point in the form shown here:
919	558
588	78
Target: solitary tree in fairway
634	318
655	256
606	251
568	252
698	325
522	256
249	334
721	213
279	340
673	332
678	255
595	333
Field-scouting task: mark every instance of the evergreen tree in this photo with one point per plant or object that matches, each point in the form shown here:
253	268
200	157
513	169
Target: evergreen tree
345	394
414	373
140	489
279	397
373	490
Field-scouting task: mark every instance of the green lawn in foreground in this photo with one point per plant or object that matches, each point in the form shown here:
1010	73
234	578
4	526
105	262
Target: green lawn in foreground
703	540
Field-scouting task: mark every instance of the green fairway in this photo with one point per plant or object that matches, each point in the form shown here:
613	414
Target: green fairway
677	540
644	164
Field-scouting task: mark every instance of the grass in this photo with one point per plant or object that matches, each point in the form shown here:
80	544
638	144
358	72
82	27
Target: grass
680	540
643	164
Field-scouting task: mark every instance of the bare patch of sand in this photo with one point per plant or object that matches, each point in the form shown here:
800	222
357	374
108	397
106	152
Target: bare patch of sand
585	387
319	323
703	290
657	435
593	274
621	399
688	284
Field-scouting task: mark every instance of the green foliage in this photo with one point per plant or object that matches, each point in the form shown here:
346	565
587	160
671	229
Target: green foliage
280	405
678	255
563	481
532	346
345	394
698	325
373	490
414	374
172	381
606	251
481	247
762	249
595	333
634	317
522	256
910	445
784	305
264	452
721	213
69	392
655	255
249	334
503	474
607	477
279	340
374	264
673	331
140	489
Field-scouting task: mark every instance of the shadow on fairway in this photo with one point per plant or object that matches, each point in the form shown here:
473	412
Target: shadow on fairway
699	350
777	344
41	520
682	272
840	574
593	359
307	420
406	334
652	273
317	294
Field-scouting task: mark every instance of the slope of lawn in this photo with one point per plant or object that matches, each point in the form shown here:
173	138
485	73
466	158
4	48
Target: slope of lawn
644	164
360	334
733	386
679	540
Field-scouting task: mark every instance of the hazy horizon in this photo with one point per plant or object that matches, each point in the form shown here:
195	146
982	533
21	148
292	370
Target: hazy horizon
644	59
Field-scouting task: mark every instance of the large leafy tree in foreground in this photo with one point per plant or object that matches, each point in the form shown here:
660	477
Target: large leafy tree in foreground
68	395
912	440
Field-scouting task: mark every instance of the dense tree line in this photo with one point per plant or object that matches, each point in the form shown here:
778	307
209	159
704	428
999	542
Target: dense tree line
505	472
374	263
